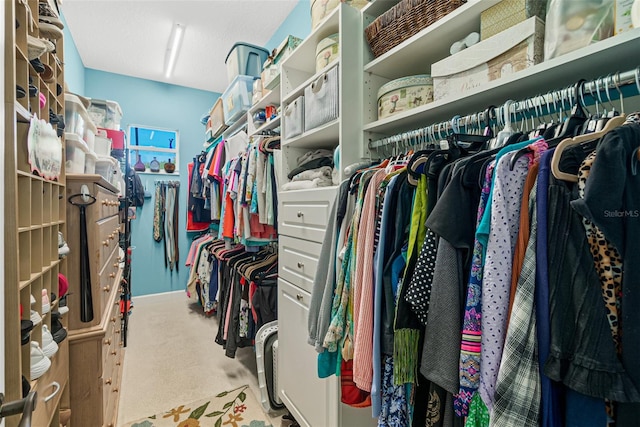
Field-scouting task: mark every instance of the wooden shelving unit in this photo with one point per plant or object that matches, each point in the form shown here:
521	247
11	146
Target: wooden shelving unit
34	213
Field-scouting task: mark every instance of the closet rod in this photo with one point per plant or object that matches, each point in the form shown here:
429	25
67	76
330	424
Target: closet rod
612	82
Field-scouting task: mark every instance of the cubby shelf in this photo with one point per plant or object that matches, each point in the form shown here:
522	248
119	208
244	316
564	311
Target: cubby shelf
31	261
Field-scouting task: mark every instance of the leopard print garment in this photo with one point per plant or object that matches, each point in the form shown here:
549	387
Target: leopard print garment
608	264
608	261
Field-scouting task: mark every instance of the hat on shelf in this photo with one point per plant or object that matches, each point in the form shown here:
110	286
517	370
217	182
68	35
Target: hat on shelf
49	14
63	285
35	47
47	74
50	31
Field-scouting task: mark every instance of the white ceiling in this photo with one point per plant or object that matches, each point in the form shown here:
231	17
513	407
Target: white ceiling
130	37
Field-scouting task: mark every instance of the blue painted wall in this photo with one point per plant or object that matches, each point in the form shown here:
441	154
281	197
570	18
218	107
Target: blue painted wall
74	74
298	24
151	103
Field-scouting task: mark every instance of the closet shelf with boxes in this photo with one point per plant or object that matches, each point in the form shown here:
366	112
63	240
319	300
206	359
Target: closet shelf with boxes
492	70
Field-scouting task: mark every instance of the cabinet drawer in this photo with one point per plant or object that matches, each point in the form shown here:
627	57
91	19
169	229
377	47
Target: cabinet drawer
305	214
51	385
298	261
108	237
108	280
107	203
299	387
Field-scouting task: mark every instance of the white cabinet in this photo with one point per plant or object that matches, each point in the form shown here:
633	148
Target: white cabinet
308	397
303	216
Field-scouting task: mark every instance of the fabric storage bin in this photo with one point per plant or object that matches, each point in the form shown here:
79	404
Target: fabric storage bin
245	59
76	151
75	115
321	100
404	94
90	163
102	146
105	114
236	100
294	118
327	51
513	50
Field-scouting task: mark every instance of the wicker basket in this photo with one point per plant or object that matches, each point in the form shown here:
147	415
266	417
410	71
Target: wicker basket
404	20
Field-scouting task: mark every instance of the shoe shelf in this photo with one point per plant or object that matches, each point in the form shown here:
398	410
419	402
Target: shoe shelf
35	213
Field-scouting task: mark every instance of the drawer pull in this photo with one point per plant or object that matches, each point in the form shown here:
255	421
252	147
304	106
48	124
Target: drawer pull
106	288
118	363
105	243
105	202
112	275
301	265
108	382
115	265
107	341
300	214
299	297
113	319
113	353
115	390
56	387
111	236
117	331
110	425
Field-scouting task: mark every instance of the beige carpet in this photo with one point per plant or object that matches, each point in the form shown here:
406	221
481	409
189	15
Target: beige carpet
172	359
234	408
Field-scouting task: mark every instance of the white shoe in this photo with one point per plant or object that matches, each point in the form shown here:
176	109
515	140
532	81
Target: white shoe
35	317
39	362
32	299
46	305
49	346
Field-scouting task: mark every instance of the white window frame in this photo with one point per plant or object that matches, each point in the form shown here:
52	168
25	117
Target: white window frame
135	148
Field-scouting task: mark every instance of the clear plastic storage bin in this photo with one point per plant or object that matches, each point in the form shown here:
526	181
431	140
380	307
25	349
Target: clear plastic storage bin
105	166
75	153
90	163
105	114
75	115
102	146
245	59
236	100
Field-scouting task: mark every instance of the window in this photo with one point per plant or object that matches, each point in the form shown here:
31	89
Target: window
147	144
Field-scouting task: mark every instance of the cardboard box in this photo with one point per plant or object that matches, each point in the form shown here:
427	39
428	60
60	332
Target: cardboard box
622	16
513	50
508	13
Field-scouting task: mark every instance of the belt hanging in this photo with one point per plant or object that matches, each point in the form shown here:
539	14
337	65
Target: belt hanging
86	303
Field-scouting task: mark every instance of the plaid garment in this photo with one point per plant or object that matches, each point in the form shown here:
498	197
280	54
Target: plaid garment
518	390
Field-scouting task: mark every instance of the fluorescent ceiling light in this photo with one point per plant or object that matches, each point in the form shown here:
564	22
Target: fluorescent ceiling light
173	48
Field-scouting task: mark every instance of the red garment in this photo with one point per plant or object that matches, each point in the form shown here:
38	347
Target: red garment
191	224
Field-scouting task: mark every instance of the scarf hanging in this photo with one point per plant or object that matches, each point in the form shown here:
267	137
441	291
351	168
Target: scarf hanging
165	220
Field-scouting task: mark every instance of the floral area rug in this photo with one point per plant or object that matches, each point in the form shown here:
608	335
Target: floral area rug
233	408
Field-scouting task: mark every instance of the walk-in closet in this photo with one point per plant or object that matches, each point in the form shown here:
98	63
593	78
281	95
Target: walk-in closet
320	213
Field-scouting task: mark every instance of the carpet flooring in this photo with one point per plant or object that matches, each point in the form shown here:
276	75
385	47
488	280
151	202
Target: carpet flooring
171	359
235	408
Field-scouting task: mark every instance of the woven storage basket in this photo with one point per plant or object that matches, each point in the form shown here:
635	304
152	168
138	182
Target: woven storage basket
404	20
